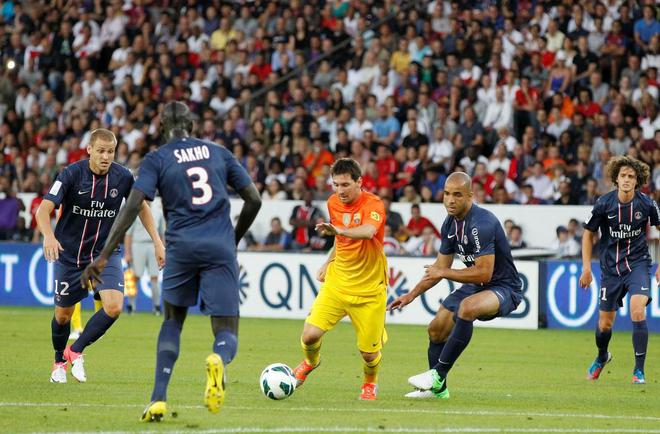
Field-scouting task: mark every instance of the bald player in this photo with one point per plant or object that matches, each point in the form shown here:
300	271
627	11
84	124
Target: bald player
193	177
491	285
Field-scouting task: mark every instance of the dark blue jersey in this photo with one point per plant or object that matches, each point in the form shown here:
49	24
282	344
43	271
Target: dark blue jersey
192	176
90	203
623	231
478	234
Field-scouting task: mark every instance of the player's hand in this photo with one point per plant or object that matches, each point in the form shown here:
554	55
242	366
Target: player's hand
159	250
400	302
92	273
320	274
326	229
128	258
657	275
586	278
52	249
433	272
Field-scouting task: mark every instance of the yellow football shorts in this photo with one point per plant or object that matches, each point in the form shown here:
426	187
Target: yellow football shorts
367	315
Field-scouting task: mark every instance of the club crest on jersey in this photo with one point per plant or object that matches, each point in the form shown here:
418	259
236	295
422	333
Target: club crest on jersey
638	215
114	193
346	219
357	218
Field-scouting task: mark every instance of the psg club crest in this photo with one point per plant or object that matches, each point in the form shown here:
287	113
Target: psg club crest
638	215
114	193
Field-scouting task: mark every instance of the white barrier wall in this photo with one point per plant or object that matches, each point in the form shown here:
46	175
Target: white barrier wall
282	285
538	222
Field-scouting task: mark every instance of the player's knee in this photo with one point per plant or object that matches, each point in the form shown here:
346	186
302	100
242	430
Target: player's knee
638	314
369	357
468	311
63	317
436	333
604	324
113	310
309	338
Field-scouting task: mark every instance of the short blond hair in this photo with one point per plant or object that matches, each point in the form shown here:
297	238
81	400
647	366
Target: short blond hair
102	134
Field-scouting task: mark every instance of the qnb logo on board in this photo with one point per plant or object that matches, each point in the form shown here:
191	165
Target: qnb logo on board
569	304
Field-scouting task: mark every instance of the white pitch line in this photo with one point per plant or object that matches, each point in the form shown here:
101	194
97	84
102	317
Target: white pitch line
356	410
388	430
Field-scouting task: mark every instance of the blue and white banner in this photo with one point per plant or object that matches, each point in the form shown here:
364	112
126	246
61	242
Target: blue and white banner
272	285
566	305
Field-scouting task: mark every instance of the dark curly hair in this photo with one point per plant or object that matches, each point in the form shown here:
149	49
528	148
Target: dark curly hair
641	169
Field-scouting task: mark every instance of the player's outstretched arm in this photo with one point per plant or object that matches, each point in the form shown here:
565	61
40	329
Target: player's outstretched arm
150	225
427	282
362	232
52	247
587	248
124	221
251	206
481	272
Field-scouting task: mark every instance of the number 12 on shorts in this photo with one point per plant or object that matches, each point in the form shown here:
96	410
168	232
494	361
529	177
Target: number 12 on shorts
61	288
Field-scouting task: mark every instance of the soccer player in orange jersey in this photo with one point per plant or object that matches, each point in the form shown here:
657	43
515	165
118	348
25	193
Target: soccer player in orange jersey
354	276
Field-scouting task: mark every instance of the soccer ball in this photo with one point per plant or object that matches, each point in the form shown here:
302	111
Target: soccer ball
277	381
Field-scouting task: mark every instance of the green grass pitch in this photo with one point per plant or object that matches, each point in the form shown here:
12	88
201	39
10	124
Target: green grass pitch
506	381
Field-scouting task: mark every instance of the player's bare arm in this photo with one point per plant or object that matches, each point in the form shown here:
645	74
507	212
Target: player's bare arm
52	247
481	272
148	222
320	274
362	232
427	282
587	246
251	206
124	221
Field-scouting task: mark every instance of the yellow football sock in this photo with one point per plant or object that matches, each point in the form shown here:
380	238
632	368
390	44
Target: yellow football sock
371	369
98	305
312	352
76	318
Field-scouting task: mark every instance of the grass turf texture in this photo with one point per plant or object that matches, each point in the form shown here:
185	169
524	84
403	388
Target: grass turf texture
506	381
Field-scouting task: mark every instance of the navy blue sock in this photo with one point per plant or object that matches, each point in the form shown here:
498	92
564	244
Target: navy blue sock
167	353
225	345
640	338
457	342
59	334
98	324
434	352
602	342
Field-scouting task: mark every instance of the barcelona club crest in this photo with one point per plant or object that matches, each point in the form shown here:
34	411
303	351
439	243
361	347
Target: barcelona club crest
346	219
357	218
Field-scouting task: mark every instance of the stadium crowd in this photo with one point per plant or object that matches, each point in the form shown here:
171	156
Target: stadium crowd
531	98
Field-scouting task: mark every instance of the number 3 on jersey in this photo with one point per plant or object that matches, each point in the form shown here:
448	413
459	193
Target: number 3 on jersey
200	184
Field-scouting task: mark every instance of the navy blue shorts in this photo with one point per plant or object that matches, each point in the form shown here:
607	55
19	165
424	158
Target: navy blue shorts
509	299
613	289
68	290
216	285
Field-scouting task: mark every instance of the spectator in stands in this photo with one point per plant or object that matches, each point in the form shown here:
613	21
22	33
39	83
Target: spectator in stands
516	238
565	246
10	206
417	223
427	244
277	239
302	221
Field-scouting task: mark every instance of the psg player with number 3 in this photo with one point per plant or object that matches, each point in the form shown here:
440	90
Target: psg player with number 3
192	177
